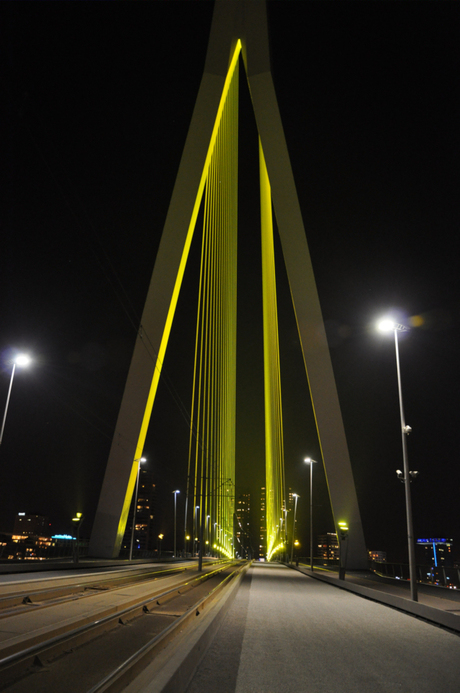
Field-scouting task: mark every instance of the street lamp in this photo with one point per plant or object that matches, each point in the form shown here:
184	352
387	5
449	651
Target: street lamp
78	519
342	536
195	544
391	326
308	460
286	545
294	495
21	360
140	460
175	507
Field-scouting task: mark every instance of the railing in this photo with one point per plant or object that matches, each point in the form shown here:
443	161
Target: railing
442	576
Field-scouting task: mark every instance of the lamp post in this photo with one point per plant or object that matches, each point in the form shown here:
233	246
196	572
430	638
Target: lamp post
308	460
78	519
195	531
175	508
208	517
20	360
286	544
342	537
391	326
140	460
294	495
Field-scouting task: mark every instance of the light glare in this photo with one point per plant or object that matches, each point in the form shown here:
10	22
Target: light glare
22	360
386	325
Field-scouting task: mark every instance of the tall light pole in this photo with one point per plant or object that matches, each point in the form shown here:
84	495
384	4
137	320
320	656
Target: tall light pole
195	531
140	460
20	360
308	460
78	519
391	326
294	495
286	544
175	508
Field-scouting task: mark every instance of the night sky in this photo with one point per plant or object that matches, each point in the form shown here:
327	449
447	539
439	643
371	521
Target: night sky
96	103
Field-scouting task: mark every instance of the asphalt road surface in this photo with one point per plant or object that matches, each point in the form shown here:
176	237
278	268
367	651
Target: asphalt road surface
289	633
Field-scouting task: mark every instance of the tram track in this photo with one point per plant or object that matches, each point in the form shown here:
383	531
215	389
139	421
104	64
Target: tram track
33	598
99	645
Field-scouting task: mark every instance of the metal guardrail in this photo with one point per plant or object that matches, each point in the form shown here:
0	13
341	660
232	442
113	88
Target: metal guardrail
443	576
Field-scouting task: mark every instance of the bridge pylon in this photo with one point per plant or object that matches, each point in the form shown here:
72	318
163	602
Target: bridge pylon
239	28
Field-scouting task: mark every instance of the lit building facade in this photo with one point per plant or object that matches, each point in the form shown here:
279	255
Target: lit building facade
144	535
243	525
379	556
435	552
328	547
31	525
262	524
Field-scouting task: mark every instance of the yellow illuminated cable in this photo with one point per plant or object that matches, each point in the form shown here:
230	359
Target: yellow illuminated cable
177	286
274	448
214	384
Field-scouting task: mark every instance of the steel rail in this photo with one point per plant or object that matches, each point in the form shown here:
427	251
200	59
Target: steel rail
28	596
32	652
118	679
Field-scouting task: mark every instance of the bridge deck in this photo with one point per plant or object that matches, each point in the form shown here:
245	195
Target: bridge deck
287	632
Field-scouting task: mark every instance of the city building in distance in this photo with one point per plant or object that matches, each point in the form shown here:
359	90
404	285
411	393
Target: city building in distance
436	552
144	534
243	525
328	547
34	524
262	526
379	556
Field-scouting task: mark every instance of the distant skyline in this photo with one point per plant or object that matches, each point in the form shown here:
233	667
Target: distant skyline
98	99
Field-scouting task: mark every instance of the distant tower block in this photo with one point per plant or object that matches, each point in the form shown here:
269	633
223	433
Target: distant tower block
242	21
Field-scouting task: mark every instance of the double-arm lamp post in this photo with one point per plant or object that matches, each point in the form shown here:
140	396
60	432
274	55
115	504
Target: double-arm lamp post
391	326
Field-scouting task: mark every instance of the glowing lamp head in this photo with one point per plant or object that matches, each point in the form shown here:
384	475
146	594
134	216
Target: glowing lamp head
386	325
22	360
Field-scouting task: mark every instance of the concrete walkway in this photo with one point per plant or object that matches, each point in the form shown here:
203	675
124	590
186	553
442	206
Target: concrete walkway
288	633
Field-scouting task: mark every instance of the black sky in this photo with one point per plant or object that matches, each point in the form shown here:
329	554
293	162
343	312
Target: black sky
96	102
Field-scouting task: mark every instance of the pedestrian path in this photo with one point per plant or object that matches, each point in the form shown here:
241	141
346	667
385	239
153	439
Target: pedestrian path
435	604
289	633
